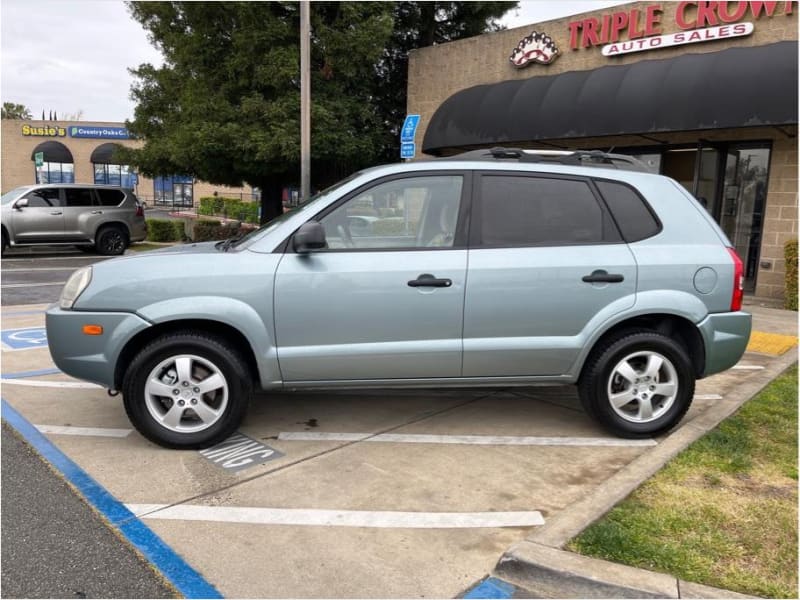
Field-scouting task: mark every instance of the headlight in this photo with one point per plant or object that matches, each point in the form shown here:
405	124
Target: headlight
77	282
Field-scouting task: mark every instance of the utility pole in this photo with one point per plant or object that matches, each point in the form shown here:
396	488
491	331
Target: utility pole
305	101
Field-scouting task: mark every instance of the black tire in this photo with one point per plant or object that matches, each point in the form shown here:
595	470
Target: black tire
5	242
596	381
212	350
111	240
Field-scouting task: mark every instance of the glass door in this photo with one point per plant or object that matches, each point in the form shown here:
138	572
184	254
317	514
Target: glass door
744	195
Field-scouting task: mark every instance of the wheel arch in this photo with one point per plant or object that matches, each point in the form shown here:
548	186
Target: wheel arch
670	325
216	328
119	224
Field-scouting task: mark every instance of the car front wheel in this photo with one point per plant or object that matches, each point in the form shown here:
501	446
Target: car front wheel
638	385
186	390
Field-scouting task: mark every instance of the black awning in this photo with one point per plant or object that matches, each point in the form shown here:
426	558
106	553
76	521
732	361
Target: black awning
738	87
102	155
55	152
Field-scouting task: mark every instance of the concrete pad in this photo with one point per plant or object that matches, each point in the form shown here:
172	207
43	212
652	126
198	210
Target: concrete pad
688	589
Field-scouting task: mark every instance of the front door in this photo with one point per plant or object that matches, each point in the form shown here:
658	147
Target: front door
385	299
42	220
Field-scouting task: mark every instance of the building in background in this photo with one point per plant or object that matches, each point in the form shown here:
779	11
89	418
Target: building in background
83	152
704	92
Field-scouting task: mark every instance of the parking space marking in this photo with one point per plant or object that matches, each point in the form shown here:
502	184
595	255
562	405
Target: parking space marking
188	582
53	384
479	440
748	367
24	374
40	269
707	397
336	518
24	338
86	431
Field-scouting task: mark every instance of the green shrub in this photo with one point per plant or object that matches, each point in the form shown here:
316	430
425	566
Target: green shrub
229	208
164	230
790	294
207	231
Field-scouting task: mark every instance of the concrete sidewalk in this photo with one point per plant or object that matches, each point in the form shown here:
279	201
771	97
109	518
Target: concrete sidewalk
538	567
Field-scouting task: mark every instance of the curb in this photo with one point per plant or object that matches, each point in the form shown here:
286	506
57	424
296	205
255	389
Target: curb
545	570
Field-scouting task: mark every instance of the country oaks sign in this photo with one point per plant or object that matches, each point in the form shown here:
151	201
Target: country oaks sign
638	30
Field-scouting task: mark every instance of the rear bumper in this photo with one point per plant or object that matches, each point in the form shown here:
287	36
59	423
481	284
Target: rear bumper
725	336
139	231
90	357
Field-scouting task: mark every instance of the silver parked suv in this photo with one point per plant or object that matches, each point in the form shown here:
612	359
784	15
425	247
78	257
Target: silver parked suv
495	268
104	218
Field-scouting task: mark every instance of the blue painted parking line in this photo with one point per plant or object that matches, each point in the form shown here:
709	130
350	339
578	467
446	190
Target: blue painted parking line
182	576
491	587
25	338
36	373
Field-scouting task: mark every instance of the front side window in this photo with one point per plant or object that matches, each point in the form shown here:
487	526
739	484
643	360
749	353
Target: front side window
414	212
46	198
538	211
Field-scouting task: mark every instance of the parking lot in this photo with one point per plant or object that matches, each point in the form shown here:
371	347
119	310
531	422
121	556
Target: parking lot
350	494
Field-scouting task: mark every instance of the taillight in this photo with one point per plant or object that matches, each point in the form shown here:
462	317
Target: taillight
738	281
139	210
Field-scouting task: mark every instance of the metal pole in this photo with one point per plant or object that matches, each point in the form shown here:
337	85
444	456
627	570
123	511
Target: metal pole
305	101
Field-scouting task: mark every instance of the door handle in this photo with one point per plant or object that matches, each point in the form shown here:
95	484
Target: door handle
56	212
97	212
428	280
601	276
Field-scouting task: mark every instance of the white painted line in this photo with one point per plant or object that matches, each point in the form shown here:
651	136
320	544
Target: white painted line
336	518
27	285
54	384
707	397
480	440
748	367
40	269
32	257
87	431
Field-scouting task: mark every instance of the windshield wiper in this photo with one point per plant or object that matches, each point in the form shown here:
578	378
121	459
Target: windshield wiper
229	242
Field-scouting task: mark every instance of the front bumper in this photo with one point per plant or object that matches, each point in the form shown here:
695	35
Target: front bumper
725	336
90	357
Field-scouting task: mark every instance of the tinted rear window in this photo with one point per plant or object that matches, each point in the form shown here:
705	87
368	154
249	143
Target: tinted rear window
533	211
110	197
78	196
635	220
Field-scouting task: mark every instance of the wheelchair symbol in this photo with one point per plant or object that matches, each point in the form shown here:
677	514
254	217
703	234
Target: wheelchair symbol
23	339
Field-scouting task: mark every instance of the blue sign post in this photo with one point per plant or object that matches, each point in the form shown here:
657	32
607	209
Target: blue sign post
407	146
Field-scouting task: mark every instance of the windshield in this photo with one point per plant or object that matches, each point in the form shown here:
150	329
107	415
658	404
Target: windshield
269	226
15	193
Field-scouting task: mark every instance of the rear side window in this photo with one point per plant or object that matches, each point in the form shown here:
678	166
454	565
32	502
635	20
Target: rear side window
110	197
78	197
538	211
634	218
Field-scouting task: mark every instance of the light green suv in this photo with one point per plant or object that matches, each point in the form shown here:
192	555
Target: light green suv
103	218
495	268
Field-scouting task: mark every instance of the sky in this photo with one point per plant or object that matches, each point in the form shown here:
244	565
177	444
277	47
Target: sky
74	55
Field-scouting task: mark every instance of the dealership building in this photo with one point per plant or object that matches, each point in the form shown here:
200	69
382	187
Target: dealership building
83	152
703	92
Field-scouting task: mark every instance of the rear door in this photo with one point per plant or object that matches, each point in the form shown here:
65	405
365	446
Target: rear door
546	264
81	213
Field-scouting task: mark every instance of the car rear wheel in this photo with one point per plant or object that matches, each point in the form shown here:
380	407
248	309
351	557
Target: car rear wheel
5	242
638	385
111	241
186	390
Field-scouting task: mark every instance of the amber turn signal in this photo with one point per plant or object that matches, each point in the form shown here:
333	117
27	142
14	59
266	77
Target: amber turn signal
93	329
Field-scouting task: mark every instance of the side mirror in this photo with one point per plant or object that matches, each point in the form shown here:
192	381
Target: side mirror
21	203
310	236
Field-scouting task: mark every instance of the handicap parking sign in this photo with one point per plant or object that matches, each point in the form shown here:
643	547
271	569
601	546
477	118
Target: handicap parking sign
24	339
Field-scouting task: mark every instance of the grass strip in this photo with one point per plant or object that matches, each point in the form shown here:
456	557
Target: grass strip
724	511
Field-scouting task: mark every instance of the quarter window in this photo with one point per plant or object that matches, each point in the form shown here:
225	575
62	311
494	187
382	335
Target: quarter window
415	212
634	219
537	211
110	197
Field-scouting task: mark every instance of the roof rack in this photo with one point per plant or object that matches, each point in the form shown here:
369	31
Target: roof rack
582	158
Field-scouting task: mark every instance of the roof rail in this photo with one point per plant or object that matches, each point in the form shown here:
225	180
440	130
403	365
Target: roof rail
581	158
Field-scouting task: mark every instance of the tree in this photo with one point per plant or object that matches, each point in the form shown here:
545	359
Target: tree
16	111
225	105
417	25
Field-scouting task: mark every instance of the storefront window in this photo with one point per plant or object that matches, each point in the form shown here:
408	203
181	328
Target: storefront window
53	172
174	189
121	175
